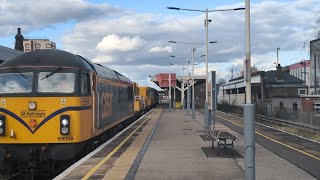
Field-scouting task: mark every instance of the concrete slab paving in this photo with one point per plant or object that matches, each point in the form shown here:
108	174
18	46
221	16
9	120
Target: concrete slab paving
175	153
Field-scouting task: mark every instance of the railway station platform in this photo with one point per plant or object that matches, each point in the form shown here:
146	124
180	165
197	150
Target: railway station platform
176	152
170	147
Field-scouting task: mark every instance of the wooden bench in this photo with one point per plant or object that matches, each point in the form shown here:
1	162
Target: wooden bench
223	135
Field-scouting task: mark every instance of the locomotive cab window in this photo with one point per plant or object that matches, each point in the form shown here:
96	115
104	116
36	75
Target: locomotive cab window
16	82
50	82
85	84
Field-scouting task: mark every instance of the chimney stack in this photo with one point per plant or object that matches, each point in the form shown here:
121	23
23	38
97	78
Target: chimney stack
279	73
19	41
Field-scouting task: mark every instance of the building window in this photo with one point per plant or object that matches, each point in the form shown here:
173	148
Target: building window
49	45
317	109
281	105
27	45
300	73
302	91
295	106
26	50
38	45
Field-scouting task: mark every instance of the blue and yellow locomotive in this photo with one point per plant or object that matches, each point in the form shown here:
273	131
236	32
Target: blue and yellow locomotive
56	104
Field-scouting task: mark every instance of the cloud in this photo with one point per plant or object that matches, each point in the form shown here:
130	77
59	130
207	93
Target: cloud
124	39
104	59
229	50
113	43
272	26
33	15
161	49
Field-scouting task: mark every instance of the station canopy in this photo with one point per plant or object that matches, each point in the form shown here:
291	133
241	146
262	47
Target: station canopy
163	79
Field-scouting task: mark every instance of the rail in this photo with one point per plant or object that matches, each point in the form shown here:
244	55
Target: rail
297	125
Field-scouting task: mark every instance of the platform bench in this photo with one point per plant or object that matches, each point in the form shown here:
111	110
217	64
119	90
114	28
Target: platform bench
223	136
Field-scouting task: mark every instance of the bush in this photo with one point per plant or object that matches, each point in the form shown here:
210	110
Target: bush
227	108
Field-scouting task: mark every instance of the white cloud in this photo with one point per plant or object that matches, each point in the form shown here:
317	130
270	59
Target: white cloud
229	50
273	24
161	49
104	59
113	42
137	43
33	15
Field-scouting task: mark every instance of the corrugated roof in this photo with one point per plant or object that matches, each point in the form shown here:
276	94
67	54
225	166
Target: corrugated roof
8	53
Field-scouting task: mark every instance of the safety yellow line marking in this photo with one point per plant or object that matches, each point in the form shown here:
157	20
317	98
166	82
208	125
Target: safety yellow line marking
276	141
96	167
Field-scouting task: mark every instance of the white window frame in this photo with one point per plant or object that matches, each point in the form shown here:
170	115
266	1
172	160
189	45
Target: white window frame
305	90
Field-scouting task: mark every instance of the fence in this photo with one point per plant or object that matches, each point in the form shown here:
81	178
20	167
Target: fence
310	117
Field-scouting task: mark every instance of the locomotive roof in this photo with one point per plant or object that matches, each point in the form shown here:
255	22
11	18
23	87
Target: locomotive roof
59	58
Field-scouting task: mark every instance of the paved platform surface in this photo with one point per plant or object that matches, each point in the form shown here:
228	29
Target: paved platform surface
175	152
301	152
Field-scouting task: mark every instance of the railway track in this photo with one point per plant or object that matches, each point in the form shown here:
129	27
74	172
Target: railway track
97	163
292	124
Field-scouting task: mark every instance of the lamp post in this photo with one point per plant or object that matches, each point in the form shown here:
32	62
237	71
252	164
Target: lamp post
248	108
174	92
170	91
207	119
193	104
193	98
182	86
183	81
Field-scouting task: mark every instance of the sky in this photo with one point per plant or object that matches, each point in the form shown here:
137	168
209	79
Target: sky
132	36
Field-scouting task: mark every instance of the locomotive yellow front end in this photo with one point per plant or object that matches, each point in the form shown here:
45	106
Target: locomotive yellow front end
44	119
45	111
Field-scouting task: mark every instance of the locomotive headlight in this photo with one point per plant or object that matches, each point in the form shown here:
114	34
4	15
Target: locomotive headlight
65	124
1	123
64	130
1	130
32	105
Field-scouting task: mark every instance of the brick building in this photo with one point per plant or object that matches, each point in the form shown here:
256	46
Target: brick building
270	89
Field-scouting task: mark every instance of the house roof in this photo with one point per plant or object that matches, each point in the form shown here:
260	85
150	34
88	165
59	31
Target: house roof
286	78
8	53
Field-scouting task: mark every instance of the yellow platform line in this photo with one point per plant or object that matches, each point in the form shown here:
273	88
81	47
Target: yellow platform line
276	141
96	167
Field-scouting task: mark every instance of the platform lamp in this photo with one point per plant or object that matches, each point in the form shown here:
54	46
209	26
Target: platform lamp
183	80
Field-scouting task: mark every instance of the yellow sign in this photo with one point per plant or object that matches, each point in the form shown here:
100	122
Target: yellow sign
3	103
63	102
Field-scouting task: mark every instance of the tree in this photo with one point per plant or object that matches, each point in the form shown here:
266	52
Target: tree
221	81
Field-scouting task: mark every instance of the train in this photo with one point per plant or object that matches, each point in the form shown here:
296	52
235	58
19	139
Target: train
55	105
